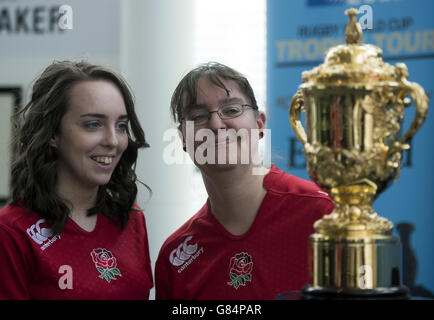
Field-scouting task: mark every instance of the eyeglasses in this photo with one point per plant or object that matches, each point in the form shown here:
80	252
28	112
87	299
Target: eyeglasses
201	116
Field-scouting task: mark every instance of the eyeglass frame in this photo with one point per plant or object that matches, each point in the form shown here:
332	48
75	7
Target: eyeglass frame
226	118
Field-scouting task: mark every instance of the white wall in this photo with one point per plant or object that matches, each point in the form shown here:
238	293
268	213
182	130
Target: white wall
6	101
156	52
234	33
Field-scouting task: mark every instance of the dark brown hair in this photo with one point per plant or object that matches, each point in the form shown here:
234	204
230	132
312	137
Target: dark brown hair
184	95
34	173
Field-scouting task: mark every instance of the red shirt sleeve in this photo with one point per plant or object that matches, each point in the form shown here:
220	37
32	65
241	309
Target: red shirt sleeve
14	275
163	283
147	254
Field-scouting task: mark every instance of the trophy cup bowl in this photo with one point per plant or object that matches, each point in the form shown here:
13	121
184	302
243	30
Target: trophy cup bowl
354	109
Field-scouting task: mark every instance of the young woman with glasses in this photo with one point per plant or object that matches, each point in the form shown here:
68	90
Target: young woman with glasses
249	240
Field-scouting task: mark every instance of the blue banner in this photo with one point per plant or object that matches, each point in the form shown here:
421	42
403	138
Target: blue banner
298	34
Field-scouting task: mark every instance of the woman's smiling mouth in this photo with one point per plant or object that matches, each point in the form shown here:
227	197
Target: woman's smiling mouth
104	160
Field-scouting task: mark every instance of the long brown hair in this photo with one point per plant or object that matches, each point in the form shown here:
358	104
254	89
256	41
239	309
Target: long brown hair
34	173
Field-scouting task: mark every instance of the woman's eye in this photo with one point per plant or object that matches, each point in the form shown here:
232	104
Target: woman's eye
201	116
123	126
231	111
93	125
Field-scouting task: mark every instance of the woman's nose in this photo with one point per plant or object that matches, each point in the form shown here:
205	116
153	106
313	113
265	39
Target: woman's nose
215	122
111	138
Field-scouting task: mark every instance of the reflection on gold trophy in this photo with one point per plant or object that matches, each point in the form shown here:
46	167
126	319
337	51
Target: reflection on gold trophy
354	107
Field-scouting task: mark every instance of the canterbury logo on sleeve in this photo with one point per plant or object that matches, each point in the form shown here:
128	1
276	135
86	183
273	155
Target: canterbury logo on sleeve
184	254
40	234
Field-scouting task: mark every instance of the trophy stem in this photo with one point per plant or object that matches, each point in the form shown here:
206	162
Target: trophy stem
353	214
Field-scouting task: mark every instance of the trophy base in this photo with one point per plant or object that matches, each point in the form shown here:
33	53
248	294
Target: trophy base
355	267
317	293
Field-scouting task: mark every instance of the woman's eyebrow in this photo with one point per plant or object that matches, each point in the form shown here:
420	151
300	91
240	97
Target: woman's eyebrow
102	116
231	100
93	115
221	102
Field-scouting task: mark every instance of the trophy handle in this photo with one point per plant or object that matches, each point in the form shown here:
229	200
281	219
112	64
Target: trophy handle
294	117
421	104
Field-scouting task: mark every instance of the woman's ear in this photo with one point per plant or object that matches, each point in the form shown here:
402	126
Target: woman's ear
53	141
260	121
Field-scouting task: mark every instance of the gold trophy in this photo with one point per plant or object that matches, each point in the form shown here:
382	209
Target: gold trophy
354	107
